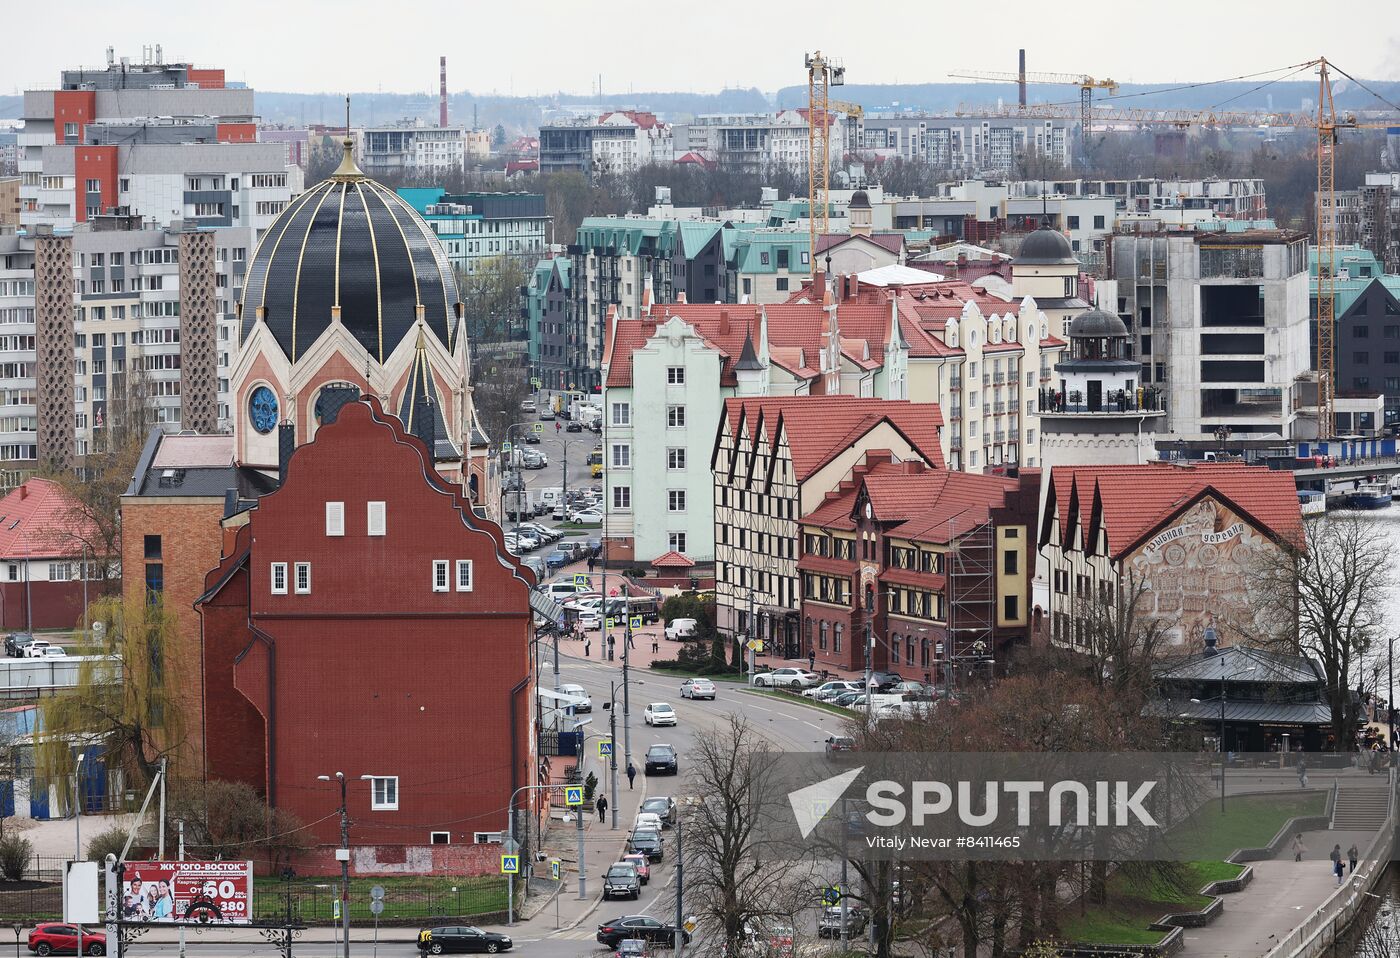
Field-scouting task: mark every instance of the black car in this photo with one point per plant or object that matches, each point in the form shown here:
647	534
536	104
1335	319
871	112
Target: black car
638	926
661	759
648	843
663	808
622	881
458	938
532	438
885	680
15	643
574	426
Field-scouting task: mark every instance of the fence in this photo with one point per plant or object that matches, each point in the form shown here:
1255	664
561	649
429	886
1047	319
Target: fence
406	900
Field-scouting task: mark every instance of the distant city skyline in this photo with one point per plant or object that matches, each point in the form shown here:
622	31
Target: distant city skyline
555	46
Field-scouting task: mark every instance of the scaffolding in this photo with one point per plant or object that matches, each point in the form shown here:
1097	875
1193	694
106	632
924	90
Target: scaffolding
971	591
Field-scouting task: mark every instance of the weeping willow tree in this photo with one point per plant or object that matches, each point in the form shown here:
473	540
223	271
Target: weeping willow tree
126	701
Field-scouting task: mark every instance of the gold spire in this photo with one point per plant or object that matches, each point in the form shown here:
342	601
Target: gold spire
347	171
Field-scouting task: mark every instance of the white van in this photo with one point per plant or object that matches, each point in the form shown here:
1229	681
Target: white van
563	590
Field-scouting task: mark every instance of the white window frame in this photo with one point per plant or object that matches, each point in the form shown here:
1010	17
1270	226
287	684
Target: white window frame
390	803
674	496
672	543
622	497
675	458
675	375
433	836
622	414
622	455
464	565
376	518
335	518
300	569
675	417
278	570
441	583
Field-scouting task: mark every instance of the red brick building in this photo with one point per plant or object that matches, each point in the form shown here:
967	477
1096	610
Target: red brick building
46	552
932	567
364	619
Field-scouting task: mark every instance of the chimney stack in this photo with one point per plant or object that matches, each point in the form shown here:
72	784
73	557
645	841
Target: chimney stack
442	91
1021	80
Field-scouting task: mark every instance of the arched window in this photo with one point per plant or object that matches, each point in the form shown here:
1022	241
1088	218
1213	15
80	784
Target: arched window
840	631
823	635
894	649
807	633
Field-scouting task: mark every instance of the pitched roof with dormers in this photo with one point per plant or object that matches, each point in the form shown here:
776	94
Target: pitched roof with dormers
1129	503
723	328
818	428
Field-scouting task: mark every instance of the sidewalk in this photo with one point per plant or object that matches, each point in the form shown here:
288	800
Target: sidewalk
1282	894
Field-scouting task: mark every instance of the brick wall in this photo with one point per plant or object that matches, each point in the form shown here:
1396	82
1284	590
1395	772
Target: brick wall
382	861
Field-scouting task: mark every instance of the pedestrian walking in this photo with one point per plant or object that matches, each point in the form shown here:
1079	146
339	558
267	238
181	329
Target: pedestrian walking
811	660
655	648
1298	847
602	808
1340	871
631	643
1352	856
631	774
1302	773
591	560
556	425
612	646
1336	857
587	648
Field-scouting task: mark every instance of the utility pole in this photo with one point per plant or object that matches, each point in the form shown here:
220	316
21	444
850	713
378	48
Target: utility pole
612	752
343	854
679	944
160	853
77	828
180	823
578	827
626	683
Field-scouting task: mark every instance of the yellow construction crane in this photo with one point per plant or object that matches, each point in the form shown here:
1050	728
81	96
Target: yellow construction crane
1327	124
1087	85
822	74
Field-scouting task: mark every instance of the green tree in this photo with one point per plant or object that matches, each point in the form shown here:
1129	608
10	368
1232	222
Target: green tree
125	700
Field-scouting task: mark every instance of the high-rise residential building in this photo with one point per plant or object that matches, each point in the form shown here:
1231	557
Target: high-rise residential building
970	142
754	142
9	201
619	141
1379	218
412	146
476	227
113	313
162	141
1218	321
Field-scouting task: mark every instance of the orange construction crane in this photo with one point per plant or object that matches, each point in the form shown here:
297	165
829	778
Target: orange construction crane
1327	123
1087	85
822	73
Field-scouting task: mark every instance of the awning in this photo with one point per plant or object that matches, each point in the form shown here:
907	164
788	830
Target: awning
1275	713
547	607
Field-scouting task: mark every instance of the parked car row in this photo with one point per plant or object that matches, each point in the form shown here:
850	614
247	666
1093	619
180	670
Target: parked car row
23	645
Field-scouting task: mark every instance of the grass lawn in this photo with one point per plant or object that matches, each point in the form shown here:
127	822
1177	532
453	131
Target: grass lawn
1248	821
810	703
579	526
409	898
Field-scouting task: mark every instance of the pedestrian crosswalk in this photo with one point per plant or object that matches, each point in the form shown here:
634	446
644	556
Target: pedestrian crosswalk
584	932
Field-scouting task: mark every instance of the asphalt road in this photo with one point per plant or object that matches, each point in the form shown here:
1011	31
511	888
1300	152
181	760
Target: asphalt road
785	724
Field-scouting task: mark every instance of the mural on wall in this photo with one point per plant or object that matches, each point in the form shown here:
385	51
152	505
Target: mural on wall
1197	571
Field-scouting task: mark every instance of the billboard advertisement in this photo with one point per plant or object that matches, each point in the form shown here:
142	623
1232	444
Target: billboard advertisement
215	893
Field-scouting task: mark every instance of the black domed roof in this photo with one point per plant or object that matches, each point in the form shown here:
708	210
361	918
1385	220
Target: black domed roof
351	242
1096	324
860	200
1046	247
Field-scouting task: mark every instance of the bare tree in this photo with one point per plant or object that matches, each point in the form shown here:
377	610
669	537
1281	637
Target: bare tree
1326	600
734	875
1124	639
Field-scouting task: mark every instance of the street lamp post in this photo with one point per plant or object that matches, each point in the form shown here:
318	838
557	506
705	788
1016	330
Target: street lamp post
1210	630
510	842
611	706
343	853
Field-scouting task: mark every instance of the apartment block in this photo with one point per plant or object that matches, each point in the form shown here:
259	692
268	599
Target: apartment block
411	146
476	227
755	142
160	141
969	143
115	311
618	141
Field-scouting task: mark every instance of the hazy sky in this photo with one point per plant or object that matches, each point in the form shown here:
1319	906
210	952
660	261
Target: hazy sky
542	46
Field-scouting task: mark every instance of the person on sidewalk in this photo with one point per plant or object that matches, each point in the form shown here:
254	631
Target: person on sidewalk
811	660
1352	856
1336	857
631	774
602	806
1303	775
1298	847
655	648
631	643
1340	871
587	648
612	646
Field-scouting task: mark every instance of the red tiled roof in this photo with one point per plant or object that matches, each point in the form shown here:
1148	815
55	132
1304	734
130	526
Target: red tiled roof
1136	500
39	520
672	560
722	327
819	427
795	360
826	565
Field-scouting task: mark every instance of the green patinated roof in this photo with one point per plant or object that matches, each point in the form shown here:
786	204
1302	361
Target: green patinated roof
1361	267
695	236
628	235
749	248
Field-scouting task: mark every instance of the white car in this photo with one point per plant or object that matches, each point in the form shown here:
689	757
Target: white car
35	649
648	822
563	589
590	620
587	515
786	678
55	652
659	713
678	630
697	688
829	690
578	691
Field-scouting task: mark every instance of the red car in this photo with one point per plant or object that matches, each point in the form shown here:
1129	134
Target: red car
56	938
643	866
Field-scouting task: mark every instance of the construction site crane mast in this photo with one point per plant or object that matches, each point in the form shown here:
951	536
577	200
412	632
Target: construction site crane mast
1087	85
822	74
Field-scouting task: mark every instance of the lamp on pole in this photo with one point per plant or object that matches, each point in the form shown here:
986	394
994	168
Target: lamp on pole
1210	643
343	854
611	707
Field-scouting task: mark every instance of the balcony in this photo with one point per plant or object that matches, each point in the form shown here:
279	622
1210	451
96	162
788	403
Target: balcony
999	408
955	383
986	379
955	443
955	414
1147	400
998	378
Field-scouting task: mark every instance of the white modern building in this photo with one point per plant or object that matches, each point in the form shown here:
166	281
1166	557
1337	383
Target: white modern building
753	142
617	141
411	146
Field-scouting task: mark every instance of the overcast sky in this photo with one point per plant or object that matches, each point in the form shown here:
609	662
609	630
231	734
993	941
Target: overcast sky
543	46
